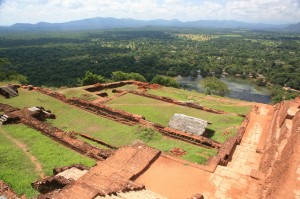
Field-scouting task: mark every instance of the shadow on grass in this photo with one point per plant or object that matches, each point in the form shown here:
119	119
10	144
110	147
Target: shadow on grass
209	133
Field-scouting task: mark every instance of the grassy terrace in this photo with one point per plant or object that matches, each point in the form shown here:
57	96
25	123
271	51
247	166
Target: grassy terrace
70	118
78	93
215	102
160	112
18	170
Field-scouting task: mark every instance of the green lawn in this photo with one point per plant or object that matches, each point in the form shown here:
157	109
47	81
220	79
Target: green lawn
70	118
214	102
161	112
18	171
15	168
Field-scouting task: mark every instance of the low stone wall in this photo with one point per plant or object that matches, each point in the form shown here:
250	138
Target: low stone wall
118	115
141	85
97	141
279	148
99	87
226	151
193	139
51	93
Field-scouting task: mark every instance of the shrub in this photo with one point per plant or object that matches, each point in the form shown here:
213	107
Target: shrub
214	86
165	81
120	76
91	78
148	134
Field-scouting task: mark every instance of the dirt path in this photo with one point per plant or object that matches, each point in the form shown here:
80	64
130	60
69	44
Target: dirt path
24	148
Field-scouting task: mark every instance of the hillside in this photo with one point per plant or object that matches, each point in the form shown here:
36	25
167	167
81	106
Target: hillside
294	27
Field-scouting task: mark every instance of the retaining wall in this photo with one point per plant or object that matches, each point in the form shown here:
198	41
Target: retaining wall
119	115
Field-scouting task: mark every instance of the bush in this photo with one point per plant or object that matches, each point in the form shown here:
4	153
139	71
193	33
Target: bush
214	86
278	94
91	78
165	81
148	134
261	82
121	76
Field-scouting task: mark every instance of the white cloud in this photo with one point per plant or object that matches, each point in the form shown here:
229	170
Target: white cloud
33	11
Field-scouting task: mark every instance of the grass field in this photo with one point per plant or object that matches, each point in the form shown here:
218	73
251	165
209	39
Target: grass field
70	118
18	171
161	112
214	102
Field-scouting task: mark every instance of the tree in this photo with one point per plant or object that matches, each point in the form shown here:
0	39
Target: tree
91	78
10	75
121	76
165	81
19	78
214	86
261	82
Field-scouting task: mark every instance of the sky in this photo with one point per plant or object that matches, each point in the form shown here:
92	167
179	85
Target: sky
258	11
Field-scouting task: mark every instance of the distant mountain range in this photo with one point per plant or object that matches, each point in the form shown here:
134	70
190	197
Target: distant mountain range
109	23
294	27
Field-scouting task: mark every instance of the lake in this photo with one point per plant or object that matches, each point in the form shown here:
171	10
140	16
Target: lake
240	88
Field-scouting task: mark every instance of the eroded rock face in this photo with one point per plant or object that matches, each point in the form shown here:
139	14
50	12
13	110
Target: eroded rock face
279	147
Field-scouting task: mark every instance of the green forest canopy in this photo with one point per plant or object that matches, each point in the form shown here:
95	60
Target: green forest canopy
60	58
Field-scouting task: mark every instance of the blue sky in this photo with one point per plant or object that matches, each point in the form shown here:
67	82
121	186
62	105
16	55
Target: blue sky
261	11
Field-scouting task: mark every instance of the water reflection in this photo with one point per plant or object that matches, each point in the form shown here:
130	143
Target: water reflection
240	88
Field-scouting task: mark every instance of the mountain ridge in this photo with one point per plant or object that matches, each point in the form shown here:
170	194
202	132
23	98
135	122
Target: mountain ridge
110	23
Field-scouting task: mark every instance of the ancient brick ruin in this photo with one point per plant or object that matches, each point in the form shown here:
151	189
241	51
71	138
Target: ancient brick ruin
129	118
255	163
9	91
113	175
